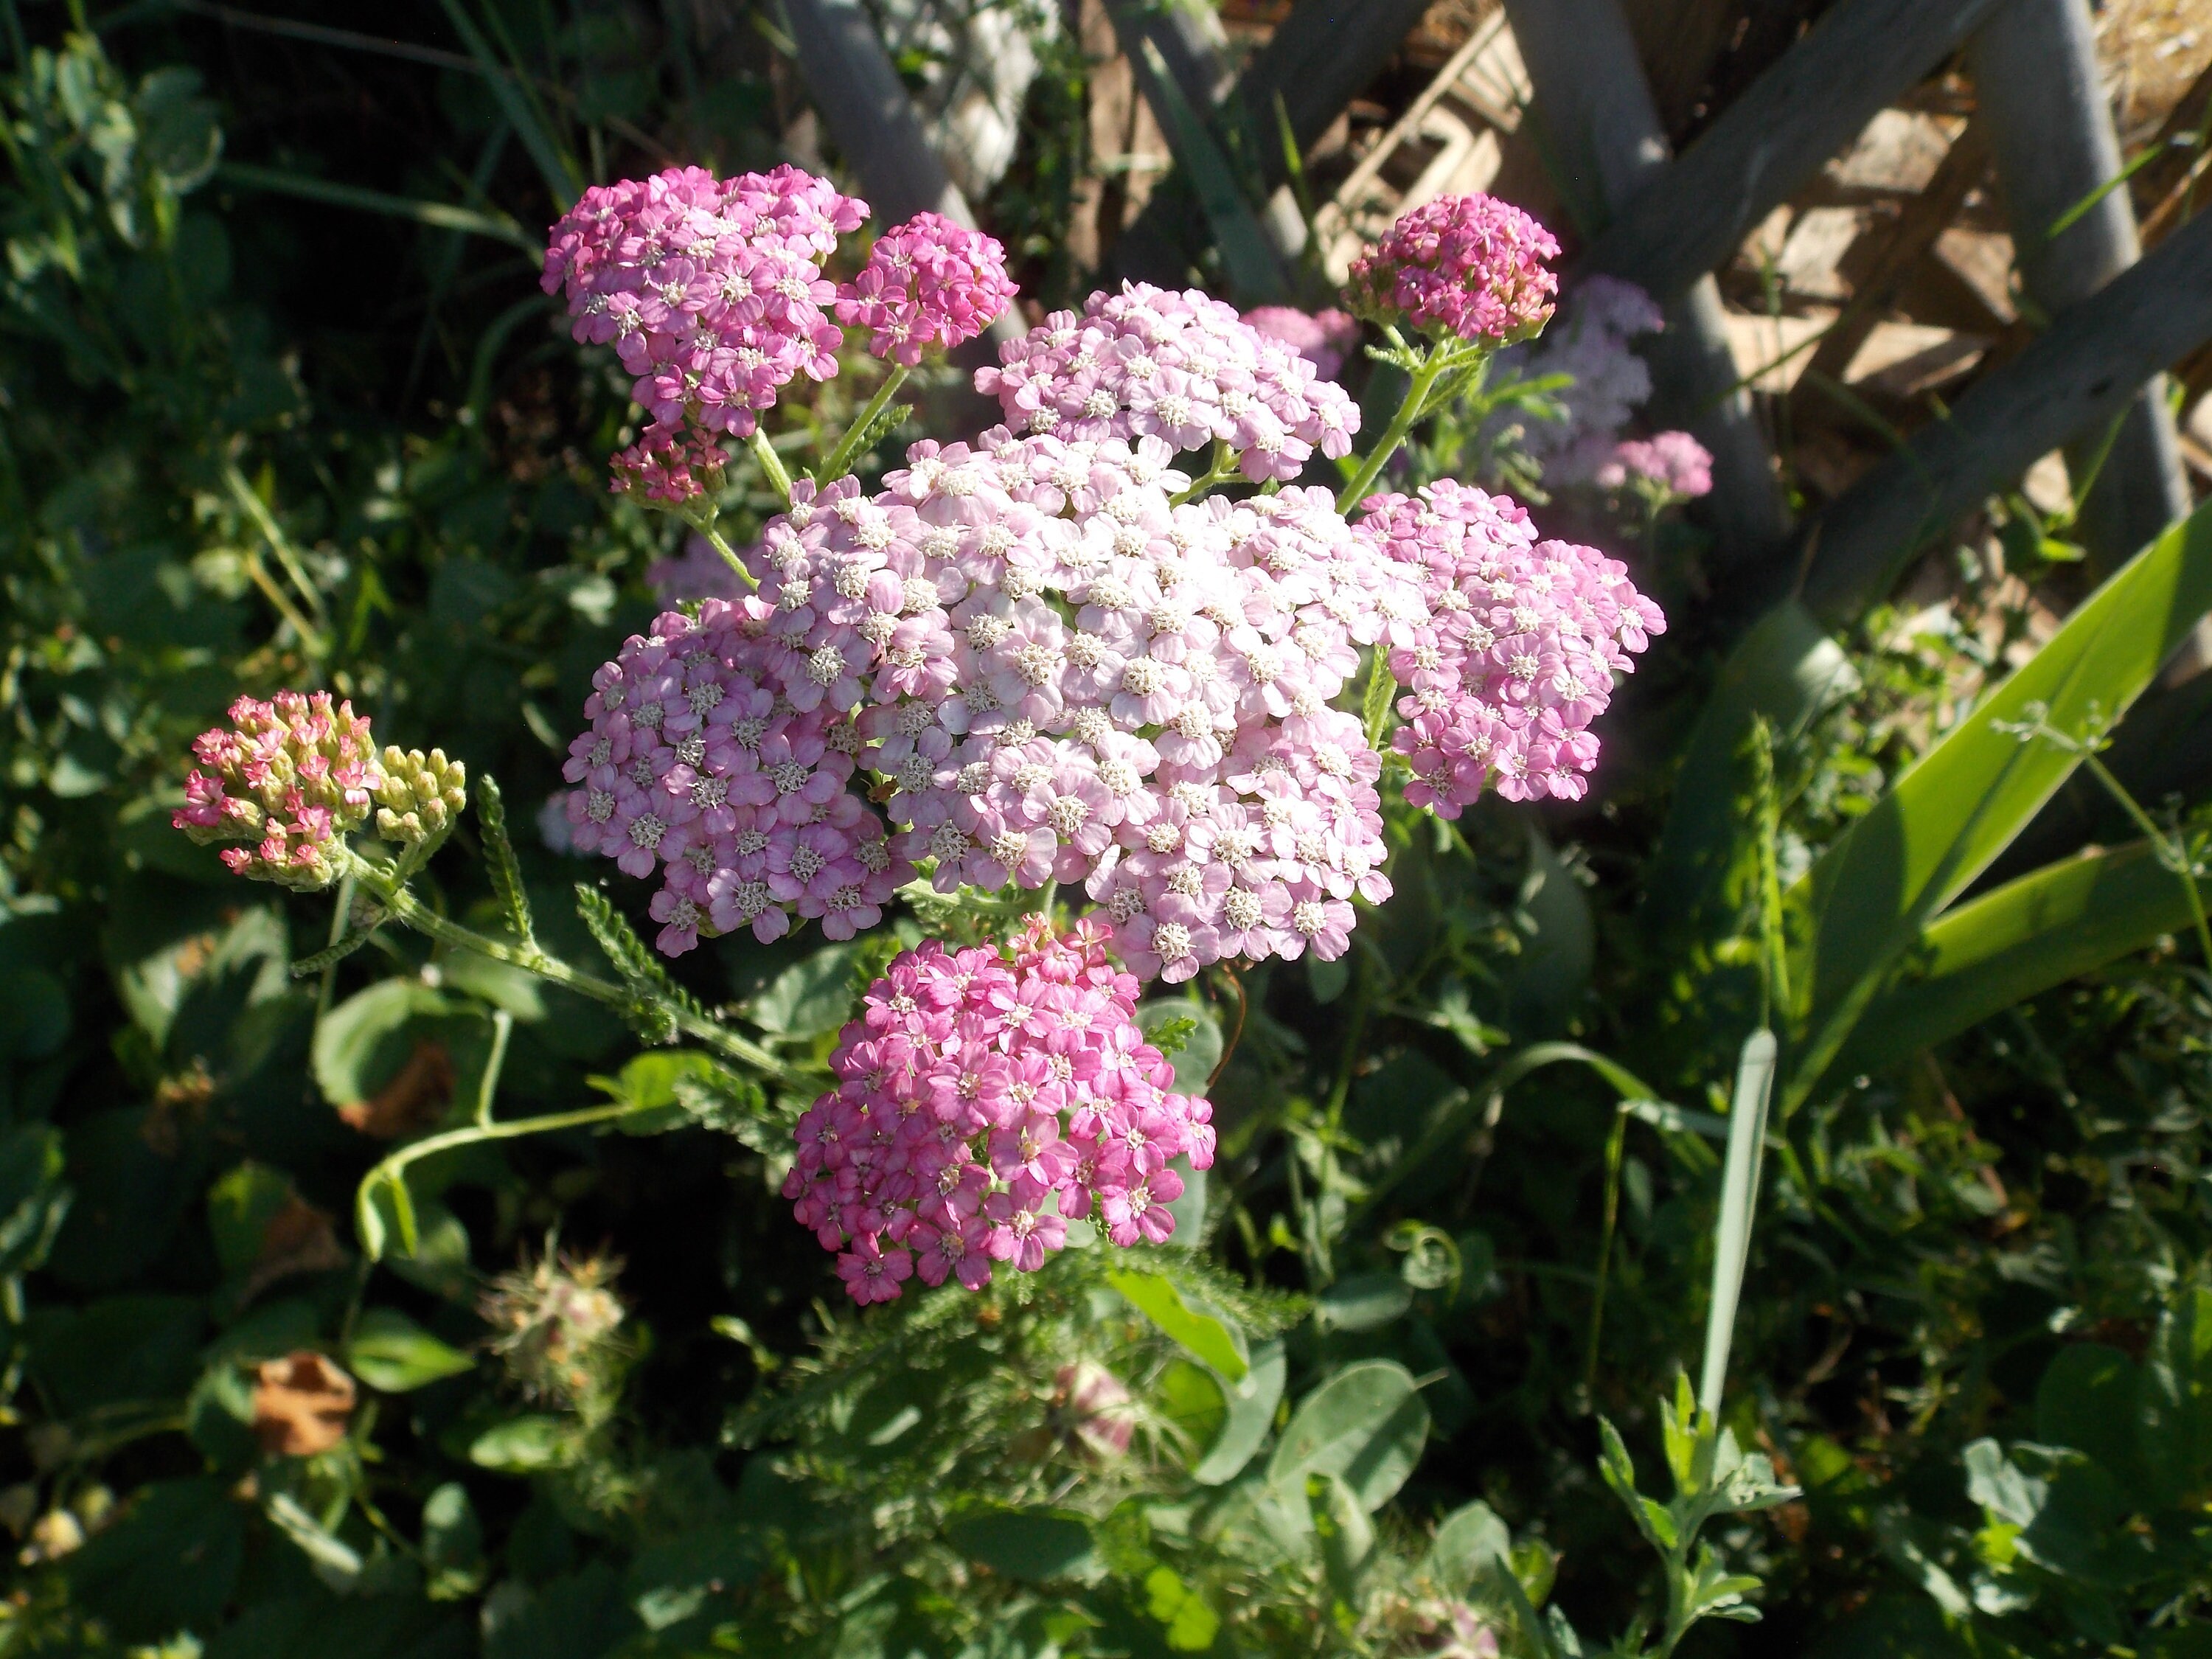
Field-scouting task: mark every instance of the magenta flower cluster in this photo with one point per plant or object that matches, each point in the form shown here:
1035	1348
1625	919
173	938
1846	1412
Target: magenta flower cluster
1674	464
291	776
929	282
1517	653
1470	266
1068	678
713	756
710	290
984	1101
1181	368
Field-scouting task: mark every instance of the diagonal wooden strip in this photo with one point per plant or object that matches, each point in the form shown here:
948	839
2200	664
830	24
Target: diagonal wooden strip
2085	370
1691	218
1320	59
1596	111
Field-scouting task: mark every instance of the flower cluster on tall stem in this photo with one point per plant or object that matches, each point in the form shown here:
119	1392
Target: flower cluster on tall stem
291	777
986	1099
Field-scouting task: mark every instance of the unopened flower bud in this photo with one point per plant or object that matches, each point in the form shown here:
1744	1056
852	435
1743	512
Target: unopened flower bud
420	795
292	776
1093	1406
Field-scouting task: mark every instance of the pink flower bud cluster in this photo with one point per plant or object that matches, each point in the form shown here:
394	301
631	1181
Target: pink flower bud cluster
669	468
983	1101
1471	266
929	282
1085	683
1182	367
1518	653
291	775
710	290
712	756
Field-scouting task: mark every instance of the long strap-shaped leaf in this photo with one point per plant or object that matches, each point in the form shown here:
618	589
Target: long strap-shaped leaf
2051	926
1868	899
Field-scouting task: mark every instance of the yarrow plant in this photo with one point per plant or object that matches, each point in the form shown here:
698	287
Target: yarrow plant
985	1100
1063	657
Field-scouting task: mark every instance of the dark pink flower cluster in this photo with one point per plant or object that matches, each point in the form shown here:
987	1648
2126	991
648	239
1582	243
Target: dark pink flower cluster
1518	653
710	290
984	1101
712	755
929	282
1471	266
1182	367
290	775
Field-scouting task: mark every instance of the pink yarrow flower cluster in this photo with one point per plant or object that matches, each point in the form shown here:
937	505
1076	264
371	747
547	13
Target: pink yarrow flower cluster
1323	338
929	282
1470	266
291	776
985	1100
1181	368
710	290
714	756
1517	653
1075	680
1673	464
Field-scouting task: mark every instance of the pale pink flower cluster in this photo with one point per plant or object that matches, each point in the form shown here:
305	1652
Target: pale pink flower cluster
1672	463
1471	266
1517	653
1323	338
929	282
712	755
983	1101
1076	680
1591	342
1181	368
710	290
291	775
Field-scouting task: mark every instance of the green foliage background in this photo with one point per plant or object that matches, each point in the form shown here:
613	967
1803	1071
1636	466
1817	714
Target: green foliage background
284	406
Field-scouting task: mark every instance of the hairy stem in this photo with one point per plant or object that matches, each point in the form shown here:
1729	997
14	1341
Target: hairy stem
772	464
2175	848
1419	399
720	543
840	461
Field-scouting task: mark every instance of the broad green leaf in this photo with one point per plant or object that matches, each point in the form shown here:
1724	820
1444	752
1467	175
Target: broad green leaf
1201	1335
1361	1303
392	1058
523	1445
452	1543
808	998
1195	1400
1034	1546
167	1563
2174	1431
34	1013
1466	1540
337	1563
34	1198
1191	1624
1547	979
1346	1535
1251	1405
1367	1424
2088	1400
1867	900
390	1352
2014	942
240	1205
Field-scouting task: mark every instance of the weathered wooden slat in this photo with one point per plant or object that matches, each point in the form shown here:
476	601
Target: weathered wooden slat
2036	81
2083	371
1691	217
1597	113
1320	57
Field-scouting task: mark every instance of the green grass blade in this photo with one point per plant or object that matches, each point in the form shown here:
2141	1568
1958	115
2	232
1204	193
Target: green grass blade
1868	899
558	168
1754	1087
438	215
1254	271
2051	926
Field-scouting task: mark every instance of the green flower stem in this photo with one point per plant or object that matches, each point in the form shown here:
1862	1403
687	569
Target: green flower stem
705	526
392	1172
772	464
1222	470
2175	847
405	908
1422	397
840	459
